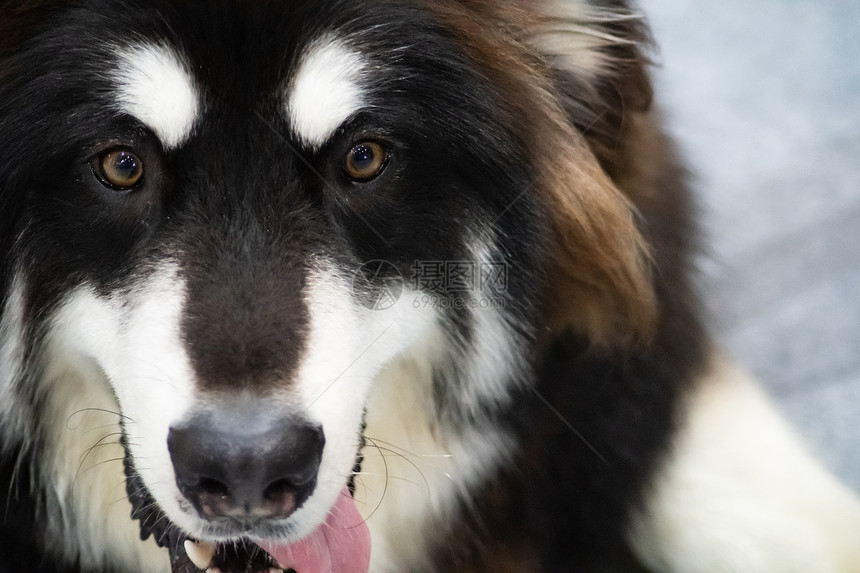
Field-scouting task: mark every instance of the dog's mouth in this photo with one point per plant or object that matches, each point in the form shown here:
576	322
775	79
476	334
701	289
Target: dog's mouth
341	544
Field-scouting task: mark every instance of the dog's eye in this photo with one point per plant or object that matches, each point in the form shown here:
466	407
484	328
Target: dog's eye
365	161
118	168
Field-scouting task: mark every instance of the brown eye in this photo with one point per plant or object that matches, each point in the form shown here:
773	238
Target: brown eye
365	161
118	168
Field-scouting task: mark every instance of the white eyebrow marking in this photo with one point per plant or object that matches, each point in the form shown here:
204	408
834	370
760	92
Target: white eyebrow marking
156	86
325	91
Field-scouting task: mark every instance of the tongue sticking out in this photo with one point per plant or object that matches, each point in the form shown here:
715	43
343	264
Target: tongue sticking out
340	545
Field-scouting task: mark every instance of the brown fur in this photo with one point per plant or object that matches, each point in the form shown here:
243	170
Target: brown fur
598	282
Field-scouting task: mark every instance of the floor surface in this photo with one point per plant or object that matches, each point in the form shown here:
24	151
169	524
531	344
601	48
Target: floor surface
764	97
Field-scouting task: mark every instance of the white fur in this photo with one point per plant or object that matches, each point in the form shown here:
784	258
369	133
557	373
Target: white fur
82	468
11	364
417	468
95	351
569	37
494	359
741	495
155	86
325	91
414	471
347	346
133	340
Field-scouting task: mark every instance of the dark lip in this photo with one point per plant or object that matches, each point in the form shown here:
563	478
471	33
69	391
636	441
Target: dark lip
153	521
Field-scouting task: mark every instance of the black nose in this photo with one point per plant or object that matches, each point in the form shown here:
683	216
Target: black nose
246	461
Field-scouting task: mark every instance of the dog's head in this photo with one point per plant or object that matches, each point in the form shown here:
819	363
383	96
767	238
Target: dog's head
235	215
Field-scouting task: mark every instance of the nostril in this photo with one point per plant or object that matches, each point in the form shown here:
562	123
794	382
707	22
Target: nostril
213	496
280	497
213	487
277	489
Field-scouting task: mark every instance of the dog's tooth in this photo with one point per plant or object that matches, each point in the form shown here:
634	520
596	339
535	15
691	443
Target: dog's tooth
200	553
213	570
274	570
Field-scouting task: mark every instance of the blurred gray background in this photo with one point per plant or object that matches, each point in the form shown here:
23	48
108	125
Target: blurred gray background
764	98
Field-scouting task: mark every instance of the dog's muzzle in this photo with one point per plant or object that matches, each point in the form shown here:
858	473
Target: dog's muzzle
246	465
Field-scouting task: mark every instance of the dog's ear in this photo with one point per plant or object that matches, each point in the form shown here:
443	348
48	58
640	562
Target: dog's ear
596	51
593	50
570	73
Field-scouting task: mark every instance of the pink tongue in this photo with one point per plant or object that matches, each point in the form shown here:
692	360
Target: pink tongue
340	545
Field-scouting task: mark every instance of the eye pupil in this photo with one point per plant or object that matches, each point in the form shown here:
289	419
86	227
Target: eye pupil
120	168
363	155
365	161
126	165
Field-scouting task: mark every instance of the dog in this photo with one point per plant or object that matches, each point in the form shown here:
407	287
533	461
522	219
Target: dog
329	286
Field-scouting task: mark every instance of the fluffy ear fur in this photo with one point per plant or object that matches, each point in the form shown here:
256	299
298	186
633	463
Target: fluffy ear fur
571	72
594	50
599	78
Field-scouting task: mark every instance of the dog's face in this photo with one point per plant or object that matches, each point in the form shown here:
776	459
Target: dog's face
234	217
